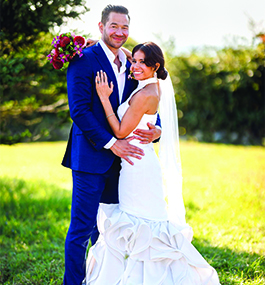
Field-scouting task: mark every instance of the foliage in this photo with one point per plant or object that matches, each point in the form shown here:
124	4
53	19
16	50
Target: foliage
221	97
33	95
23	20
224	200
130	44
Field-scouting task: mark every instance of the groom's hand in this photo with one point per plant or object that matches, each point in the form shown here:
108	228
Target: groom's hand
147	136
123	149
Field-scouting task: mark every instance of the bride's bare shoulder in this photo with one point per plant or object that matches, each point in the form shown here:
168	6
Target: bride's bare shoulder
147	96
150	92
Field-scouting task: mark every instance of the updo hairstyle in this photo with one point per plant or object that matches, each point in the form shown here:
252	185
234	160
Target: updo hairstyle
153	55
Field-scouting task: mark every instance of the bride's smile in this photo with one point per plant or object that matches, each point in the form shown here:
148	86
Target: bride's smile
140	70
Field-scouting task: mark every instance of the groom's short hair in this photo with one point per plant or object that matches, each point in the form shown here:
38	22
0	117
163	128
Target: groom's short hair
113	8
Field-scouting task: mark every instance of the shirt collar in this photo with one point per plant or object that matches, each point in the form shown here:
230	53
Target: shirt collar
110	55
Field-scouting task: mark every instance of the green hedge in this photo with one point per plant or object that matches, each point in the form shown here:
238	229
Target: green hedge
221	98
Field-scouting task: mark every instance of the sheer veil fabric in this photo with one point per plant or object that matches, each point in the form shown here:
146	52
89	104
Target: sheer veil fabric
169	154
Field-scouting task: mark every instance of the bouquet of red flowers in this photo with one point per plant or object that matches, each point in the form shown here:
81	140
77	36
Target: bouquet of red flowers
66	46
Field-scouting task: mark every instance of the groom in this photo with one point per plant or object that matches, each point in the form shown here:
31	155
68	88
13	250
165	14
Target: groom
92	152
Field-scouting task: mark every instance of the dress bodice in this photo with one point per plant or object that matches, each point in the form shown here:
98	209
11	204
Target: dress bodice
147	118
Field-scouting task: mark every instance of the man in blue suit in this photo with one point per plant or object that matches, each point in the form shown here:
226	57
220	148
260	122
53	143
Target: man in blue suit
92	152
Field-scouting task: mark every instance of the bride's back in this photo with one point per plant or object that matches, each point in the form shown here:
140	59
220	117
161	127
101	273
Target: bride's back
152	97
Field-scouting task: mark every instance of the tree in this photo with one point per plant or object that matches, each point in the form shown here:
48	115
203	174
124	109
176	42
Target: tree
33	95
23	20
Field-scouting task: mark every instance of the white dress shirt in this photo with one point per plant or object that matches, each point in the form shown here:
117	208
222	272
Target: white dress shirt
120	76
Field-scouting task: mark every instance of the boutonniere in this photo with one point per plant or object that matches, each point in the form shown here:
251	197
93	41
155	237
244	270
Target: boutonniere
131	76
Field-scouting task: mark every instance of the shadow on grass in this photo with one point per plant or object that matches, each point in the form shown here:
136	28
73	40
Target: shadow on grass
34	220
233	267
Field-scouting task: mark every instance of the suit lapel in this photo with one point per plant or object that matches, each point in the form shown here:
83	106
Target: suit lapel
129	84
106	66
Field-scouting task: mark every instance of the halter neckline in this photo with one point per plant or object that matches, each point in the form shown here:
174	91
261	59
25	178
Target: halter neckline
143	83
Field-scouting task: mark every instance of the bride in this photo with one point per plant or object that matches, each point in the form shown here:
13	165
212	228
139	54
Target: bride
143	239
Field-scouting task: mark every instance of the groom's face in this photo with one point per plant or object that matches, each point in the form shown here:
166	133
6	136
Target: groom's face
116	30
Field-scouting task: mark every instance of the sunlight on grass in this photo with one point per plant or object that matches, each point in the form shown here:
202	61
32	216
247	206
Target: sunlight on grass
228	187
36	161
223	189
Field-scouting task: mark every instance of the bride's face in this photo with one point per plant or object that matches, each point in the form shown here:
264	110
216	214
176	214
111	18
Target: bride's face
139	68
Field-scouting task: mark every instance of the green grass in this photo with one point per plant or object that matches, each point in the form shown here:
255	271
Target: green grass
224	193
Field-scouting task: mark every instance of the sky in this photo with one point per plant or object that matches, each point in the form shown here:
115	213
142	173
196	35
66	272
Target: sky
192	23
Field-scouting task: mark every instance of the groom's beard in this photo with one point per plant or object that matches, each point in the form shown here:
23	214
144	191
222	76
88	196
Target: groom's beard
112	42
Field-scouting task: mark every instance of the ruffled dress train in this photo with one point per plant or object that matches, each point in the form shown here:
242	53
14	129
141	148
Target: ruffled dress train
136	251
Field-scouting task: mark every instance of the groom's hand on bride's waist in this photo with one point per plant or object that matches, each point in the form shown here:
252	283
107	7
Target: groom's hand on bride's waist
148	136
124	149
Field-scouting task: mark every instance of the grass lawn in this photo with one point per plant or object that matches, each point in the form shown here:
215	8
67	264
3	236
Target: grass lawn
224	193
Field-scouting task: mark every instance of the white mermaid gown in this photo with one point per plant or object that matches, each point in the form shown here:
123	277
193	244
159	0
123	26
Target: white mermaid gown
137	244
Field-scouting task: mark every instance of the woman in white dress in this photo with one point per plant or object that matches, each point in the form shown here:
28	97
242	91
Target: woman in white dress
138	243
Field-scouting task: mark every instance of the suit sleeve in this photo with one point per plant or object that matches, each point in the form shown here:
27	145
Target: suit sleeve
80	81
158	123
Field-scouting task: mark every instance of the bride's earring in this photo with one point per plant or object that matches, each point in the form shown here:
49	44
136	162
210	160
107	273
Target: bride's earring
155	70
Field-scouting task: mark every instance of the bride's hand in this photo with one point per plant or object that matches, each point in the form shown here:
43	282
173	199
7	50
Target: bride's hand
102	86
90	42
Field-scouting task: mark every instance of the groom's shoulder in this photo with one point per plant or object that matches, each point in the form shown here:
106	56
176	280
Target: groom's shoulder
91	51
88	51
87	58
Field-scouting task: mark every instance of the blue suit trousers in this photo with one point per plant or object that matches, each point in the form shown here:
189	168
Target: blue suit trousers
88	191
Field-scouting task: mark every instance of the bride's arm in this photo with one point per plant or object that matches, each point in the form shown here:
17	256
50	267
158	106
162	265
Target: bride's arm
133	114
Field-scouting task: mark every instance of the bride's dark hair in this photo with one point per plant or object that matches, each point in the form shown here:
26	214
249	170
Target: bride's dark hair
153	55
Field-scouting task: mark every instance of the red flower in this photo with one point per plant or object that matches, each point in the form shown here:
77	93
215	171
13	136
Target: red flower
56	52
65	41
79	40
56	62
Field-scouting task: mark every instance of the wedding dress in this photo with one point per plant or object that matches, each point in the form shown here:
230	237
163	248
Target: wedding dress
137	243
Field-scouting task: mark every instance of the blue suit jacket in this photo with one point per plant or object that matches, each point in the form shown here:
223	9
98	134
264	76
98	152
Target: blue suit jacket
90	131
